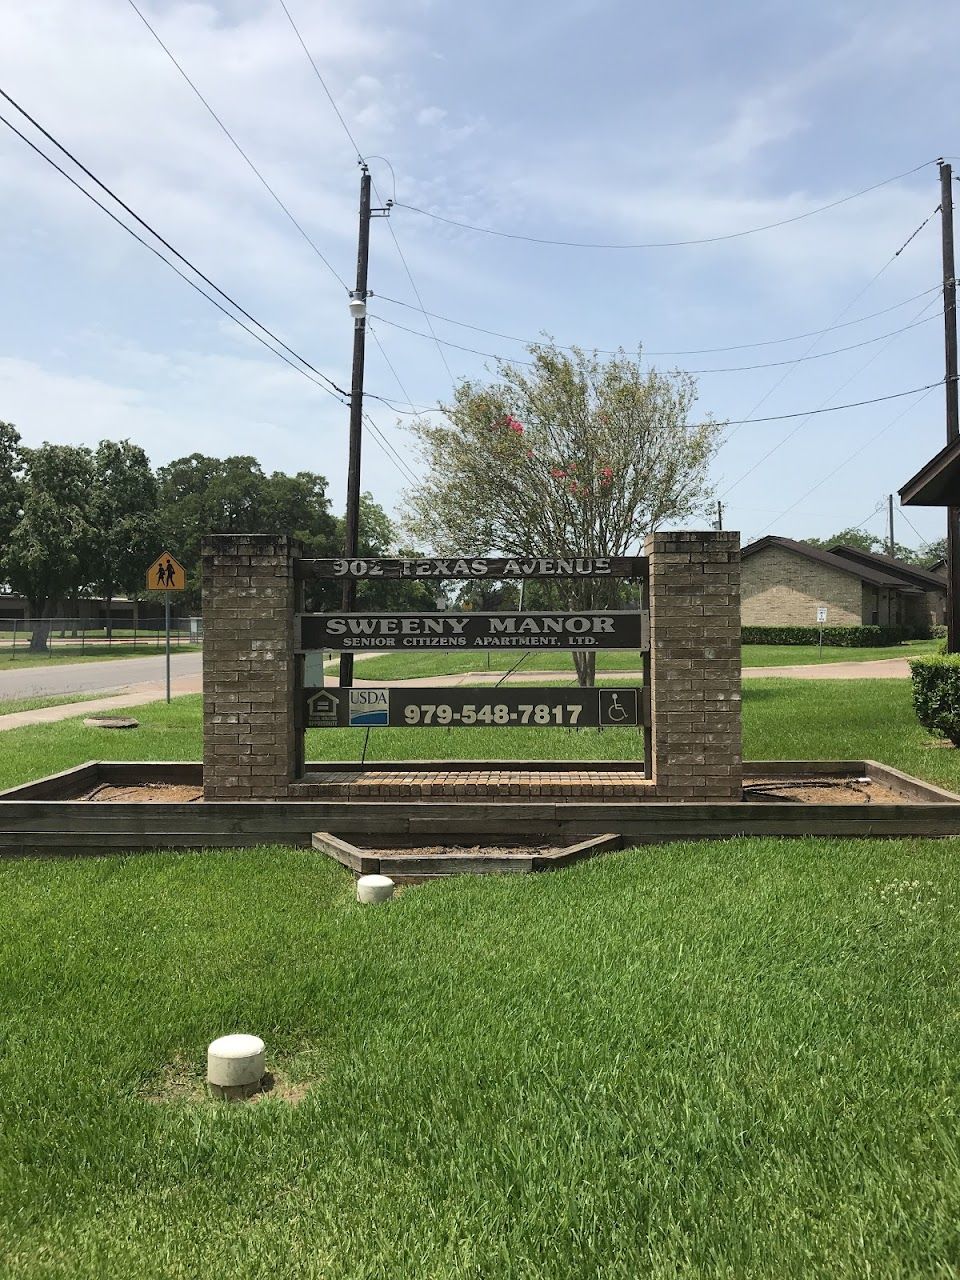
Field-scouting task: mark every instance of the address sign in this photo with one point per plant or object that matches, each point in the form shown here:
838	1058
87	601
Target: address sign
468	567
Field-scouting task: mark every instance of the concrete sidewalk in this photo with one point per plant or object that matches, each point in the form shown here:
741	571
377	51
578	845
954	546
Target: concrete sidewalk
134	696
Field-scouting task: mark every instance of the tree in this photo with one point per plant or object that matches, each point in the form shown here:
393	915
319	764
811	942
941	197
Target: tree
201	495
850	538
576	455
11	480
925	555
124	518
48	555
377	537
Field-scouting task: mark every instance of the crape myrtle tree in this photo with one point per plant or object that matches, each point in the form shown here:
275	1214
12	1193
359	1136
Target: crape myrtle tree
124	519
49	550
576	455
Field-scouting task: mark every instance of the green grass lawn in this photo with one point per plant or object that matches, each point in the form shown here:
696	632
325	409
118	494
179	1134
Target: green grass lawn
698	1060
9	705
738	1059
783	719
409	666
64	652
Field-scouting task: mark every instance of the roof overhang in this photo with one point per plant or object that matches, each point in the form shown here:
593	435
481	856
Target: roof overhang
938	483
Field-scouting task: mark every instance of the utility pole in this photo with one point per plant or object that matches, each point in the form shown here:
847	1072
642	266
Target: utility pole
891	545
952	407
358	309
719	516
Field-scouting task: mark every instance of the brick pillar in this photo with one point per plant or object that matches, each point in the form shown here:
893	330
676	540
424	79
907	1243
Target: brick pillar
695	665
249	596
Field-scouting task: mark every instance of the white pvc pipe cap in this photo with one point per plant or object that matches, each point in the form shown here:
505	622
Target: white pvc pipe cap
236	1060
375	889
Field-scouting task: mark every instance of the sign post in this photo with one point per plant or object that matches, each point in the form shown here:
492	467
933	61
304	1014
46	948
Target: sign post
166	575
821	619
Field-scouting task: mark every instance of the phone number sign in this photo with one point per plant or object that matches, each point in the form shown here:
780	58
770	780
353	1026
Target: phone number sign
426	708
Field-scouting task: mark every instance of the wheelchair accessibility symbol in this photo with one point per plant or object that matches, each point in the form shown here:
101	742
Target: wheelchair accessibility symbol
618	706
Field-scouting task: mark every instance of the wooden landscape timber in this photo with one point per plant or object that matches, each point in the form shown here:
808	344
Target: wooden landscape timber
47	817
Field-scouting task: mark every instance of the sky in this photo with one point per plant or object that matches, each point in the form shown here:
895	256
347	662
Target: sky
577	120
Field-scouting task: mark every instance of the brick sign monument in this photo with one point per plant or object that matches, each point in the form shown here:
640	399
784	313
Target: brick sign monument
256	705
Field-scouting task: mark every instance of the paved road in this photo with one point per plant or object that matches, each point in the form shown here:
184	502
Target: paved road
93	677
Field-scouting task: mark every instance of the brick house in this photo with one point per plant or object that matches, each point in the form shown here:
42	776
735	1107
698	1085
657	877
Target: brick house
784	582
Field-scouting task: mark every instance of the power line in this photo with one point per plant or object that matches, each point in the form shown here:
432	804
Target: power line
903	515
392	452
849	458
310	241
389	363
307	372
821	409
152	230
694	426
353	143
743	368
664	244
835	408
692	351
192	283
818	337
316	70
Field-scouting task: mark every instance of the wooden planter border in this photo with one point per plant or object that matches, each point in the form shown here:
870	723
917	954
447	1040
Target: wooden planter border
45	817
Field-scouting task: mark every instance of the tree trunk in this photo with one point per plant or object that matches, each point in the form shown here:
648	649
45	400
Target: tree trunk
40	634
585	661
109	615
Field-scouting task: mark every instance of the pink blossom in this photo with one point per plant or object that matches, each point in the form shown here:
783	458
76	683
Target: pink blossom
558	473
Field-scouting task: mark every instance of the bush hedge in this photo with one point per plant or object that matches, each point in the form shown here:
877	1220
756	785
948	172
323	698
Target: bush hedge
936	694
939	631
844	637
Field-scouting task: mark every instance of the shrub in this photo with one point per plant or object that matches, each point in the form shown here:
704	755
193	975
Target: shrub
936	694
939	632
844	637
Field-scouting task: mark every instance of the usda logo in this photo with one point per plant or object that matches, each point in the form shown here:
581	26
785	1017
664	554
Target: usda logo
368	707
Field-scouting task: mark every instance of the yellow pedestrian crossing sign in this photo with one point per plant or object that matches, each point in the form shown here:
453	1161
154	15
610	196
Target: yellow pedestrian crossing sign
166	574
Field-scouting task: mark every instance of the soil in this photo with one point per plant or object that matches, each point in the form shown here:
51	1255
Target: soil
819	791
473	850
180	1085
145	793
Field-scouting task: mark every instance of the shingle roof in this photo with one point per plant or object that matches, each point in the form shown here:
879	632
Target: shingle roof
875	577
887	564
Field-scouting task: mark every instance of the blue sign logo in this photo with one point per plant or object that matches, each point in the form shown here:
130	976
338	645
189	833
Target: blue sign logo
368	707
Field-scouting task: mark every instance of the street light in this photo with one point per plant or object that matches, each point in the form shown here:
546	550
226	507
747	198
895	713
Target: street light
357	305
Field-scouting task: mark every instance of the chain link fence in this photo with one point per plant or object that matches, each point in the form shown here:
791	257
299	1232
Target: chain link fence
63	637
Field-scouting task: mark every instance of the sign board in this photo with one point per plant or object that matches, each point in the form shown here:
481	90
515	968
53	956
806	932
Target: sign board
497	708
821	613
166	574
408	631
469	567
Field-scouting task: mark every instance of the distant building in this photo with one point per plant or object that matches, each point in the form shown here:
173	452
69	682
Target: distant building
93	610
785	582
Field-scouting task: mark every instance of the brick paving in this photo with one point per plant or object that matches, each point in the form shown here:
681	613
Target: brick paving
486	784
